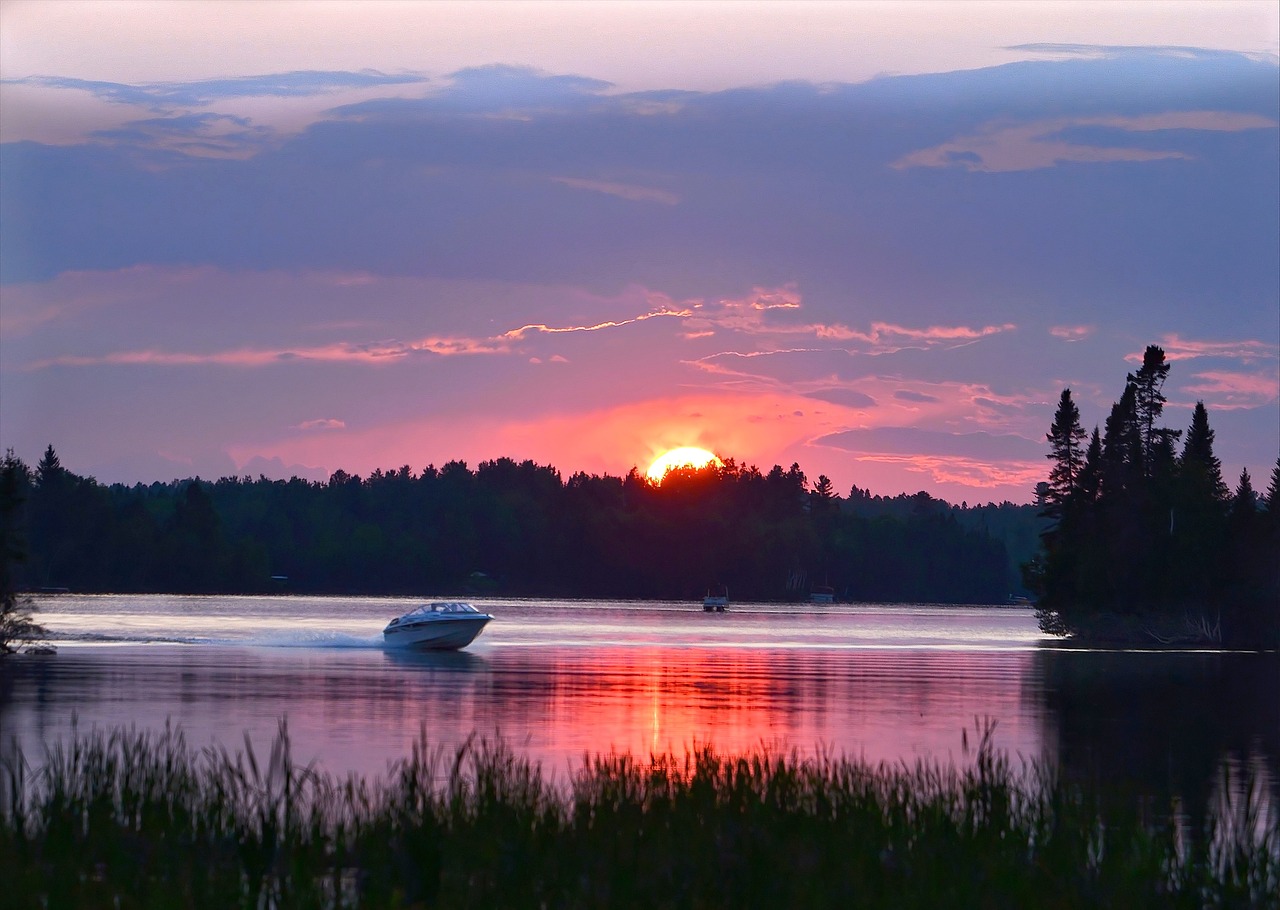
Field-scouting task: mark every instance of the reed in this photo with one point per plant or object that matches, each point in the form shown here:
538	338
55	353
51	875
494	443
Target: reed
129	818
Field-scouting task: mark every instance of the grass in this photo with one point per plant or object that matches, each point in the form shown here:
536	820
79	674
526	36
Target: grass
134	819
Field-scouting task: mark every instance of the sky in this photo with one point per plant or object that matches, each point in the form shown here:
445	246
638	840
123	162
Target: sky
873	239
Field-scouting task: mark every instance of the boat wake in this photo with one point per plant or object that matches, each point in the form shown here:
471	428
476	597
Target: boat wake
317	639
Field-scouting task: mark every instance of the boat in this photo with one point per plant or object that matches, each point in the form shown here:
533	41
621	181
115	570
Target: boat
716	600
444	625
822	594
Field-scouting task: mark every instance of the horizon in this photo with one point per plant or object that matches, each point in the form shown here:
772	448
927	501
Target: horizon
875	241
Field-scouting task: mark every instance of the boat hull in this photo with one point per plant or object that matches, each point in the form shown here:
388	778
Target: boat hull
436	635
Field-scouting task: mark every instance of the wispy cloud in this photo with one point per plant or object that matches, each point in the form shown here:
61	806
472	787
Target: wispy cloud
977	473
1232	391
323	423
917	397
627	191
347	352
979	460
198	93
1002	146
754	315
1072	332
1179	348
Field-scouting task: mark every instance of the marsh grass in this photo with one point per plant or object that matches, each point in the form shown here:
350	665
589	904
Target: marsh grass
137	819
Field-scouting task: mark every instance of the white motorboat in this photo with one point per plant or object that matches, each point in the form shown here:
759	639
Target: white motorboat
442	626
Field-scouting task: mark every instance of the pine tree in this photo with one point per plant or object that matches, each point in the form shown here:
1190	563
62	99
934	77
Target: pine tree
1122	446
1065	451
1148	384
1090	472
1245	501
1197	454
16	611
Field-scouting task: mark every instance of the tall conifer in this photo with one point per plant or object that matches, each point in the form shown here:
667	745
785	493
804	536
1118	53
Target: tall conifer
1065	451
1197	455
1148	385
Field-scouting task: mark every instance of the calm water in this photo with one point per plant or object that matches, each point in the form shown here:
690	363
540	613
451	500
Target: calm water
560	678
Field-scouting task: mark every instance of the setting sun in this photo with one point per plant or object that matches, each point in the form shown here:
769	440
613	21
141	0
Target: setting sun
683	457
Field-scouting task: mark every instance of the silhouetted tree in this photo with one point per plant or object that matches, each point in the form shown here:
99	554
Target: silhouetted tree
1148	385
1067	453
1145	533
17	623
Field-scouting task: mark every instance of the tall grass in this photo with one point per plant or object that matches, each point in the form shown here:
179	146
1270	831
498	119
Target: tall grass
136	819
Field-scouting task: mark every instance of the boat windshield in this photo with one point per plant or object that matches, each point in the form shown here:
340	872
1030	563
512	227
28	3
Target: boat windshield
449	607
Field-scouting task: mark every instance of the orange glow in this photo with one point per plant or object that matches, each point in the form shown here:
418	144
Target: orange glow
683	457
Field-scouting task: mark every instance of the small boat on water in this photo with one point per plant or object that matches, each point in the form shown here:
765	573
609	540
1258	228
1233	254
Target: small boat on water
442	626
822	594
716	600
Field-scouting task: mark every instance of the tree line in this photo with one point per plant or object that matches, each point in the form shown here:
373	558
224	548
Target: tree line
1144	537
511	528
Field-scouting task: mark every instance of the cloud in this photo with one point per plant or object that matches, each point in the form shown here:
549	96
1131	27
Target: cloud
1231	391
621	190
199	93
372	353
1178	348
1001	146
1072	332
846	398
1121	51
323	423
918	397
758	315
201	135
979	460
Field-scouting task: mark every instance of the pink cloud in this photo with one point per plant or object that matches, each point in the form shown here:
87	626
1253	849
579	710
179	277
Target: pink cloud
1230	391
978	474
1073	332
751	316
323	423
348	352
1178	348
1001	146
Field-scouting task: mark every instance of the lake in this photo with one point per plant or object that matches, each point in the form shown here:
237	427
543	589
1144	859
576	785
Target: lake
558	679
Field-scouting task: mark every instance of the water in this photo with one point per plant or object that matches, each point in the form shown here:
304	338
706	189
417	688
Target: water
559	679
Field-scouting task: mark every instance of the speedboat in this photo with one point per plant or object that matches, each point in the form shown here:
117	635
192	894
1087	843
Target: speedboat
442	625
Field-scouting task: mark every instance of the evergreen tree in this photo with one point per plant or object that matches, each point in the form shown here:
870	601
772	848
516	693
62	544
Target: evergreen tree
1122	462
1065	451
1273	491
49	470
1245	501
1197	552
1148	384
1197	454
17	625
1090	482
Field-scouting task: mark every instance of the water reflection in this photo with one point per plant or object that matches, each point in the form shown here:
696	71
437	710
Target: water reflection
358	709
1163	724
559	680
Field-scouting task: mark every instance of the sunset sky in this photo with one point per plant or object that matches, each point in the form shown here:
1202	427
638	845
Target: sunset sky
874	239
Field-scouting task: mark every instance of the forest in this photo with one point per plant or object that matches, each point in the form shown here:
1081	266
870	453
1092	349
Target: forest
1146	541
514	529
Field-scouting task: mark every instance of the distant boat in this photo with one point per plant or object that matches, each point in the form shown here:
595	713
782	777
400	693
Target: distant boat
822	594
439	626
716	600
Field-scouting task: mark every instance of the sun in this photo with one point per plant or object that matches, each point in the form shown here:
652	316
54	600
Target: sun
683	457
